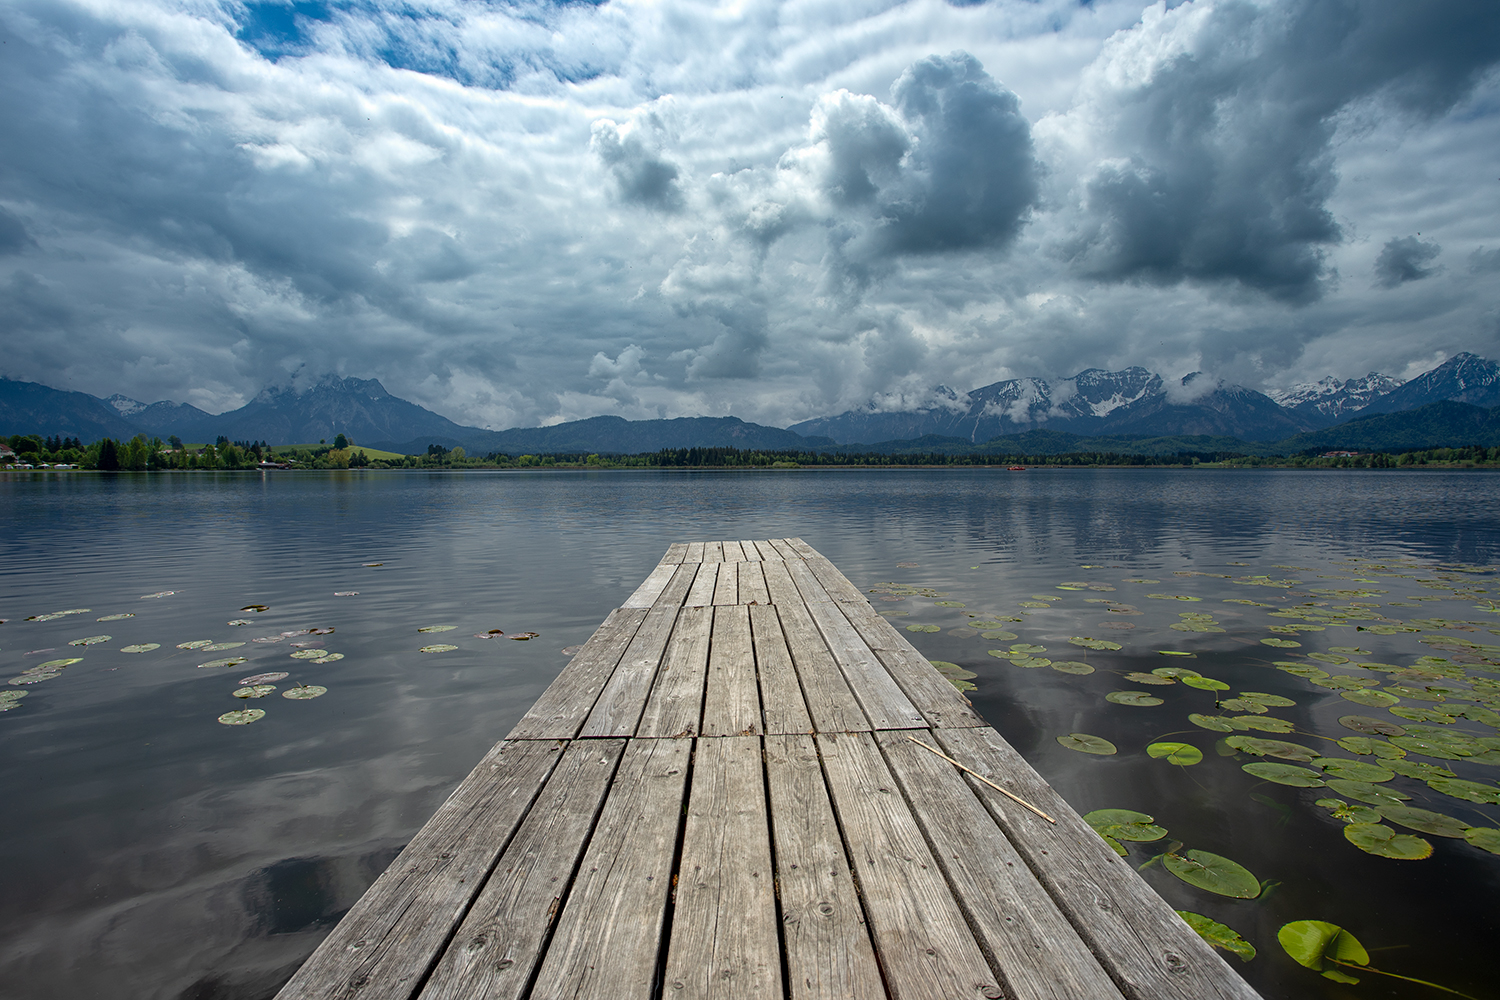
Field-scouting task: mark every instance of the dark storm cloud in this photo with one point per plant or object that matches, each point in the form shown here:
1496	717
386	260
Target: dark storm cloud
643	176
1405	259
1220	164
13	235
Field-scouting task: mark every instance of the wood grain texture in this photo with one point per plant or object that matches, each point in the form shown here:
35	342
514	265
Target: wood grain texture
939	701
675	705
500	942
924	944
752	552
701	593
782	706
753	589
829	955
694	553
1148	950
676	552
676	591
833	707
724	933
386	943
713	552
727	586
885	704
836	583
733	552
561	709
1038	953
618	707
650	589
808	585
784	549
609	935
779	583
767	551
731	703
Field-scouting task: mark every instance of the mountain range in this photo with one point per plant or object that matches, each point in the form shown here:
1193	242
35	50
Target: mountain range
1085	410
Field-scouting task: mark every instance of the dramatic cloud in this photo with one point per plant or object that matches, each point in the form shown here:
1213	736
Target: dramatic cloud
533	212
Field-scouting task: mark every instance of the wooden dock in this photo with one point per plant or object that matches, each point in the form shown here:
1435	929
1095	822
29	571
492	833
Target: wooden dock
720	797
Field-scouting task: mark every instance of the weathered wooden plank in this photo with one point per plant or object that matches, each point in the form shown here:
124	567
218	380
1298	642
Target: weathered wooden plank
676	702
619	705
808	585
924	944
767	551
387	942
724	939
676	553
1039	954
753	589
831	704
886	706
646	594
782	705
752	553
938	701
500	941
727	587
694	553
713	552
561	709
701	593
785	550
1149	951
609	935
835	582
731	704
827	945
779	583
676	591
733	552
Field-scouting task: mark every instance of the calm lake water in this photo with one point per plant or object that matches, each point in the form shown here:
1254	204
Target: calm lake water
151	852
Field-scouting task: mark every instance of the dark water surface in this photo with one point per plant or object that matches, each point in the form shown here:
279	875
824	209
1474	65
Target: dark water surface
151	852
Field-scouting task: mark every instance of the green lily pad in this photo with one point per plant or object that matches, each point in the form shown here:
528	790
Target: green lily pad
1281	643
37	677
1173	597
949	604
242	717
1090	643
1212	722
302	692
1205	683
1425	821
1382	841
1272	748
1029	662
1243	705
254	691
909	628
1364	791
1368	726
1317	943
218	646
1414	714
1469	791
66	661
143	647
1370	699
1263	723
1084	743
91	640
1486	838
228	661
308	654
1418	769
326	658
1284	774
1328	657
1071	667
441	647
1175	753
1175	672
266	678
437	628
1034	604
1269	700
115	618
1137	677
1139	699
1355	770
1214	873
1342	810
1218	935
1366	746
998	634
1429	747
195	644
1301	669
1027	647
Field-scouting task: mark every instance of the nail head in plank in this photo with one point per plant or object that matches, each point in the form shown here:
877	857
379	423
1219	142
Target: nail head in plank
646	594
619	705
713	552
886	706
752	588
724	937
1146	947
500	942
833	707
676	702
782	704
701	593
925	945
827	945
727	586
731	704
393	934
1038	952
609	935
561	709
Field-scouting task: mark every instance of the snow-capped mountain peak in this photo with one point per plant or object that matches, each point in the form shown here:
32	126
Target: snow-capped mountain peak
124	405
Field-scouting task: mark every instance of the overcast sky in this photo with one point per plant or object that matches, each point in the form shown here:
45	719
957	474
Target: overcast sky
520	213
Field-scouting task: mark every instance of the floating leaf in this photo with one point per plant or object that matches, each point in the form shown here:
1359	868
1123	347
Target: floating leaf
1355	770
1027	647
57	664
37	677
489	634
144	647
953	670
1364	791
1174	597
1177	652
1214	873
326	630
267	678
441	647
238	621
1140	699
949	604
1034	604
216	647
523	636
1369	726
115	618
998	634
256	607
1071	667
254	690
1370	699
1090	643
1316	943
1262	723
1349	650
382	564
327	658
1243	705
1469	791
1272	748
1328	657
10	699
1284	774
1281	643
308	654
195	644
1417	769
1486	838
1425	821
242	717
1175	753
437	628
1350	814
302	692
1269	700
92	640
1137	677
228	661
1423	715
1178	672
1084	743
1029	662
1219	936
1212	722
1429	747
1382	841
1205	683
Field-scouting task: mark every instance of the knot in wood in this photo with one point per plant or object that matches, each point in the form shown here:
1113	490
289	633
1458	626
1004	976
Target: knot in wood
1175	964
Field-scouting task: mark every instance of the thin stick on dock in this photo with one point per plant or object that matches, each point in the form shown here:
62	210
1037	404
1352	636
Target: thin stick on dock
987	781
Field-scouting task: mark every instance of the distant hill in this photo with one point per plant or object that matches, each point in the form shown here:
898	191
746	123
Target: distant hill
1445	424
30	407
618	436
1464	377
